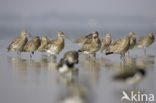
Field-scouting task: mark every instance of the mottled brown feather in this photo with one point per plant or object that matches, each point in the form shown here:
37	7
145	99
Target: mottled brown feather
32	45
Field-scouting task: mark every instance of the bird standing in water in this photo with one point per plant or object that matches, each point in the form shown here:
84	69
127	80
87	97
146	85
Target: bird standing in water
91	46
44	43
32	45
56	46
145	41
119	47
18	43
105	42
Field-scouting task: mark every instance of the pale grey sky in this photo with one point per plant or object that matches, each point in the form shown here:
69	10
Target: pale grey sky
98	14
127	7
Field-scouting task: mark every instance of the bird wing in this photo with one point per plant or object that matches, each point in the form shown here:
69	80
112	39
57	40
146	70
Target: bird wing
83	39
114	46
86	47
14	42
141	41
29	44
51	43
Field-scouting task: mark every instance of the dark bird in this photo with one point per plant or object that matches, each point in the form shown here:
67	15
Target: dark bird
131	77
32	45
67	62
18	43
145	41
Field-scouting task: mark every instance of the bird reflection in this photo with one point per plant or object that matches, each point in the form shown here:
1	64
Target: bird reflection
21	66
75	91
147	61
93	66
131	73
18	64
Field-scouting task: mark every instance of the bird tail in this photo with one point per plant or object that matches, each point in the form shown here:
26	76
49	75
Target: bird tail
79	51
108	53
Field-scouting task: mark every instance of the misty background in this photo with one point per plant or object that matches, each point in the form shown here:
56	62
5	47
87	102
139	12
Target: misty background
76	17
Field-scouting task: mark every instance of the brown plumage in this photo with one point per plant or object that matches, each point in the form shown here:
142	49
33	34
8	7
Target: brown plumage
105	42
145	41
83	39
132	40
32	45
18	43
119	47
55	46
44	43
91	46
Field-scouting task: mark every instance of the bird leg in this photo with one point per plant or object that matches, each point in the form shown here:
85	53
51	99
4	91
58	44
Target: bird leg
17	53
102	53
122	57
42	54
20	54
128	52
145	51
30	55
53	58
94	55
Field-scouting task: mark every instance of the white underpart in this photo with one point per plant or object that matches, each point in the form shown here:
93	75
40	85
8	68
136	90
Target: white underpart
63	69
140	46
51	52
86	52
15	46
70	59
133	80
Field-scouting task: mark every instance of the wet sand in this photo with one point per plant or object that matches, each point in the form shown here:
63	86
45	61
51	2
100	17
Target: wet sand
36	81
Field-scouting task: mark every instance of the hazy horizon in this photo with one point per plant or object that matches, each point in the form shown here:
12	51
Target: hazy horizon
39	16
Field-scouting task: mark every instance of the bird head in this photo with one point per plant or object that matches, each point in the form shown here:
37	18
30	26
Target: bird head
60	34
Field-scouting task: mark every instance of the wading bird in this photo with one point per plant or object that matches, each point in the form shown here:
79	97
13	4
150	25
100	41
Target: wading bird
105	42
145	41
18	43
119	47
91	46
32	45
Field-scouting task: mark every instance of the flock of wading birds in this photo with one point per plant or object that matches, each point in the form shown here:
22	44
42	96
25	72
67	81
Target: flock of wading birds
91	43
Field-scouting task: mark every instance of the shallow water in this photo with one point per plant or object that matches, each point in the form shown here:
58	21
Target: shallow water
36	81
